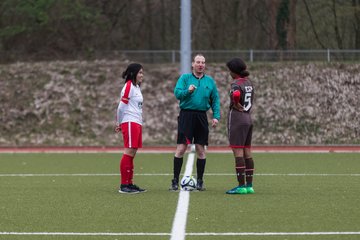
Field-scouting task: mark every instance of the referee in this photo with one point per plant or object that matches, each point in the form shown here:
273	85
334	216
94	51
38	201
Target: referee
197	93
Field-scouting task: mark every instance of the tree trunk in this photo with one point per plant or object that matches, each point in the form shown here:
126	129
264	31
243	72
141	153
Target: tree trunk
336	26
356	7
272	6
291	33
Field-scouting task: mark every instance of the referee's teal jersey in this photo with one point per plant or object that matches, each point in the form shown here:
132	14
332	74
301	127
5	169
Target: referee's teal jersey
204	97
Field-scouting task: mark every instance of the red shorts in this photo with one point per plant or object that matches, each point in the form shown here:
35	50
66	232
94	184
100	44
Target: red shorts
132	134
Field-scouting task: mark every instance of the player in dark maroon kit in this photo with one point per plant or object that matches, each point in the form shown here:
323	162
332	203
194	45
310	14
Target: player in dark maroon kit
240	125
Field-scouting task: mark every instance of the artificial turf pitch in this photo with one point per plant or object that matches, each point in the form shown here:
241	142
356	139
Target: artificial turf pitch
64	195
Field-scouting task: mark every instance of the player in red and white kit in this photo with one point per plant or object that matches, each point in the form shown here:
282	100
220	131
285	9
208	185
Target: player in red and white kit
240	125
129	122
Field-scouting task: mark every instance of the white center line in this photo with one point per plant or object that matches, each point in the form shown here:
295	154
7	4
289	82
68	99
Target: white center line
178	231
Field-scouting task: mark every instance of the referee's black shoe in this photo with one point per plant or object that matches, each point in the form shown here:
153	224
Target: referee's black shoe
200	185
174	185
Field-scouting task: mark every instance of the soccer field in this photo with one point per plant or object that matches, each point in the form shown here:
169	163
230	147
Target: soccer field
74	196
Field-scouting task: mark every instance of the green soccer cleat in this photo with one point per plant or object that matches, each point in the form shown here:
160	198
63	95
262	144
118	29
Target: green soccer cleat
237	190
250	189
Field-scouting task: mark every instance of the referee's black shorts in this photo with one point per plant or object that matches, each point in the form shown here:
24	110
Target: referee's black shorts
193	127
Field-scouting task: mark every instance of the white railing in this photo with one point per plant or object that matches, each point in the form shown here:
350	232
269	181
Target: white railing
173	56
212	56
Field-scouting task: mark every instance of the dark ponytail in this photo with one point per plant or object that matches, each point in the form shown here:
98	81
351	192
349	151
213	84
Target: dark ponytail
238	66
131	71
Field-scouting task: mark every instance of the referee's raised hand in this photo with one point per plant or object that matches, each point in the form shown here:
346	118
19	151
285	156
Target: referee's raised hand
192	88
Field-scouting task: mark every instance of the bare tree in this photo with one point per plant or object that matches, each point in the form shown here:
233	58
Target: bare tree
272	6
356	24
336	25
291	31
313	27
208	25
75	28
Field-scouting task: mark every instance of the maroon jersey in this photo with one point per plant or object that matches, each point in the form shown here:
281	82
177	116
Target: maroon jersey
246	89
240	123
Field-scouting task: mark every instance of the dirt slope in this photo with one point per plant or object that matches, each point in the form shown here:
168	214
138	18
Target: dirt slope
74	103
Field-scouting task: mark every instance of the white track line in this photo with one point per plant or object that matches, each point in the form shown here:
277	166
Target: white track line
255	149
178	231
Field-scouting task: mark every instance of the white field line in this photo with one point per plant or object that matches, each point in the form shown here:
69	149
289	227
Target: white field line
172	151
178	231
187	234
84	234
169	174
271	233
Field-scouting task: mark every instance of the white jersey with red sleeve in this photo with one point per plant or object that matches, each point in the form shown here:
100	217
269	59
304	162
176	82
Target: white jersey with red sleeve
130	105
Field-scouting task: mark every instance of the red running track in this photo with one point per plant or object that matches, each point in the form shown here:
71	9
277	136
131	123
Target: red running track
170	149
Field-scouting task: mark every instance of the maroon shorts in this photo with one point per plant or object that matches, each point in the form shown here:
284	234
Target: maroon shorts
240	129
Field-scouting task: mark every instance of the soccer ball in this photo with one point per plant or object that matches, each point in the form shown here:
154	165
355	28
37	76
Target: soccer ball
188	183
